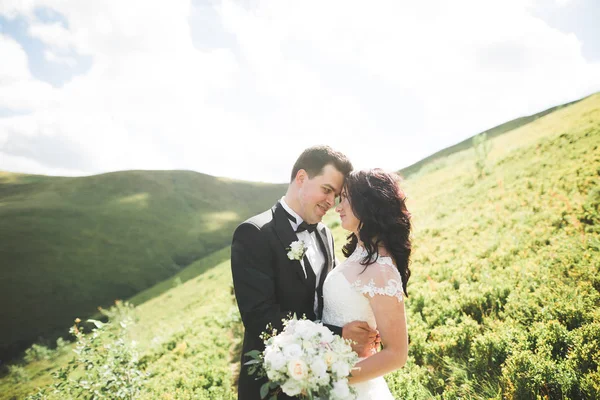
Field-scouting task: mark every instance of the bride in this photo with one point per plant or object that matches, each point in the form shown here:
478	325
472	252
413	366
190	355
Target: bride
370	284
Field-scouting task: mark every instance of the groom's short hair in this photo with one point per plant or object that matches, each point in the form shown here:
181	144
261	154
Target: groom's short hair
315	158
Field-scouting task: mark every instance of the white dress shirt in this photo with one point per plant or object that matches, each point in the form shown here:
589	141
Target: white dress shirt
313	251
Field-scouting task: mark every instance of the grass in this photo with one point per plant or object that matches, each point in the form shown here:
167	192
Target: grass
184	336
504	300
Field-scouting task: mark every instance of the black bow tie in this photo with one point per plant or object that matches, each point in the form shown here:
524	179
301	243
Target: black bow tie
306	227
303	225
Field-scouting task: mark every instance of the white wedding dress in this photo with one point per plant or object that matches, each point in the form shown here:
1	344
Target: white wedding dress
345	294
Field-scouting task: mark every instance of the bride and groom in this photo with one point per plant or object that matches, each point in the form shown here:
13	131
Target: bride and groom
361	298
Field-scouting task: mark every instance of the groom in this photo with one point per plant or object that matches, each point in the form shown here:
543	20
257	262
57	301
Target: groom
268	285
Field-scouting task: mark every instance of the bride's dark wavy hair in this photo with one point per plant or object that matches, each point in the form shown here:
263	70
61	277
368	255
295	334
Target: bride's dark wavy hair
380	205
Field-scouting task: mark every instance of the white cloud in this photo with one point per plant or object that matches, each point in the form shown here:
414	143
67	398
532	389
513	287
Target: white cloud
14	61
562	3
60	58
20	164
18	89
468	64
147	85
53	34
387	83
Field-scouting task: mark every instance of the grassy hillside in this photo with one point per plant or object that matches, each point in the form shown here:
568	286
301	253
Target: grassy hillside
504	297
68	245
185	338
467	143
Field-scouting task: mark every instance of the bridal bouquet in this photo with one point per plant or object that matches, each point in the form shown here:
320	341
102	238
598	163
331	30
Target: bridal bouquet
306	359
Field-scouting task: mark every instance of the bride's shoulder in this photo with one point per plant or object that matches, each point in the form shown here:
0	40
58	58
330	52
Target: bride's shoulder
379	278
383	261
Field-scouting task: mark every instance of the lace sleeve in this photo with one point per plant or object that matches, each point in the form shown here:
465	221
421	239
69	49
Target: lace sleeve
380	278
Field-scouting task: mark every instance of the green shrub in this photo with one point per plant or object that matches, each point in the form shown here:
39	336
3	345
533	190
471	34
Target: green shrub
106	361
480	303
37	352
451	340
552	338
18	374
585	355
489	351
527	375
482	148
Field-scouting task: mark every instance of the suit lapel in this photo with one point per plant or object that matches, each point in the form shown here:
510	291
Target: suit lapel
327	254
286	236
324	241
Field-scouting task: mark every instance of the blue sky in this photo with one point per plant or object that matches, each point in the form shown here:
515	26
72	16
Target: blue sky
239	89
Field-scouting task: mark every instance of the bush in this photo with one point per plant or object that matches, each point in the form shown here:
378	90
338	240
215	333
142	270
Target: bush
527	375
552	338
480	303
488	353
18	374
37	352
451	340
482	147
585	356
106	361
333	224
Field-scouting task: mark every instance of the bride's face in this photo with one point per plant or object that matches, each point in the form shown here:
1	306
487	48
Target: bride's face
349	220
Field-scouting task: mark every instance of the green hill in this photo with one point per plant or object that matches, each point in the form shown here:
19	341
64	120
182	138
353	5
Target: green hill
68	245
467	143
504	300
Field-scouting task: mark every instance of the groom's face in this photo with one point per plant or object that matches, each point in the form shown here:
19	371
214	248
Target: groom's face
317	195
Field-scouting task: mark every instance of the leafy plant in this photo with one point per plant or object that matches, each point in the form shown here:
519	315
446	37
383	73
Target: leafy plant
106	361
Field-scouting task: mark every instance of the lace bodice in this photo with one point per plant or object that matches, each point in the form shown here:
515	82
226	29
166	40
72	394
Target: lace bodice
347	288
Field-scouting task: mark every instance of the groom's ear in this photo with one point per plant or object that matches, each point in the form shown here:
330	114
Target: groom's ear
301	176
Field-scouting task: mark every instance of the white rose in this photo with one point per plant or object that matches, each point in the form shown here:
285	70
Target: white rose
275	359
341	369
269	349
340	389
340	346
323	380
273	374
305	329
291	388
297	246
283	339
309	347
292	351
330	358
297	369
290	326
326	335
319	368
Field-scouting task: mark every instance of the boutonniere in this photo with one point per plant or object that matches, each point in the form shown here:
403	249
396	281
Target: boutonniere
296	250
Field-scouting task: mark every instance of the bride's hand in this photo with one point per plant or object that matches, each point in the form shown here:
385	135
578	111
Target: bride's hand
376	344
364	338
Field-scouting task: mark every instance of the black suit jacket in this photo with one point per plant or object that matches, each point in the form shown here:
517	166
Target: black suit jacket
268	285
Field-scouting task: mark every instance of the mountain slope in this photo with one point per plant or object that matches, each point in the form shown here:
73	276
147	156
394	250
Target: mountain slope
467	143
68	245
504	299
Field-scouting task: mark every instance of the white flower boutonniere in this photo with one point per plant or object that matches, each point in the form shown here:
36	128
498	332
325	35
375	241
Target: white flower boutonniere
296	250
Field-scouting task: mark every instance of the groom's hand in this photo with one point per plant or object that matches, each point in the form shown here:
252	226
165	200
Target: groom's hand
364	338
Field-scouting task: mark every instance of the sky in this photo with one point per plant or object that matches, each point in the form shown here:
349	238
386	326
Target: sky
240	88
